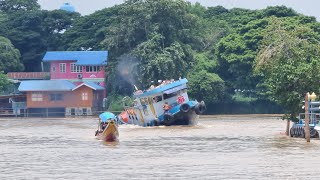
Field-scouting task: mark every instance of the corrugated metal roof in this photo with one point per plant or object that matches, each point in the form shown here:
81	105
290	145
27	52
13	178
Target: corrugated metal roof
91	85
46	85
81	57
95	86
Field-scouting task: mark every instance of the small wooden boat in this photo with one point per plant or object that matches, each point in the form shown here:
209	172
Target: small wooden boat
108	127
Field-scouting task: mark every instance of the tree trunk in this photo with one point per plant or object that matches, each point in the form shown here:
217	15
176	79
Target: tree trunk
306	119
288	127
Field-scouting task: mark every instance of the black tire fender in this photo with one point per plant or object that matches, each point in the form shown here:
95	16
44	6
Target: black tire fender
200	108
313	133
185	107
291	132
168	119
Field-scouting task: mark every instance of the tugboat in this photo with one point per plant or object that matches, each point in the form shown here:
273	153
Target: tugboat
312	109
107	127
166	104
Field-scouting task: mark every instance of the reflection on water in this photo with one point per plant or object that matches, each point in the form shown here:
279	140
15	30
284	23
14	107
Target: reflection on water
222	147
110	144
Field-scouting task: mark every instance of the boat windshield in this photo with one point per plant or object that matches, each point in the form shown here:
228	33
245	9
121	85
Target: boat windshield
157	98
176	93
167	96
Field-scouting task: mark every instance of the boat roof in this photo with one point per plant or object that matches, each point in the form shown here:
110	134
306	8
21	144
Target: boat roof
164	89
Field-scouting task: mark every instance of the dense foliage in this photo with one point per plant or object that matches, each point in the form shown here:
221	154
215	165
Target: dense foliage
230	56
9	56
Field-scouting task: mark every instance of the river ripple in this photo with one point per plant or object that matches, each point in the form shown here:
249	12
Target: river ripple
221	147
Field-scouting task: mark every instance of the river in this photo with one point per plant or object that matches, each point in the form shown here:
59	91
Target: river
219	147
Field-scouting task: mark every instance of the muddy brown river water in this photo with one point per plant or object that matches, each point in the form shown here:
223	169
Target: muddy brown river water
219	147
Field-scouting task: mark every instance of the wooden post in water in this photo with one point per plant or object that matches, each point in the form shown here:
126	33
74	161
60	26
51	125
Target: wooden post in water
306	119
288	127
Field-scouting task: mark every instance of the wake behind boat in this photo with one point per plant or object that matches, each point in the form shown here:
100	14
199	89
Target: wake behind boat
167	104
108	127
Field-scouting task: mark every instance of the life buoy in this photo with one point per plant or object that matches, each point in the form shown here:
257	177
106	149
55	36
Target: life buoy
124	116
180	99
185	107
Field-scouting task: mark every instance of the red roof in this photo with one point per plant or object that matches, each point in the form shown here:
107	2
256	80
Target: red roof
28	75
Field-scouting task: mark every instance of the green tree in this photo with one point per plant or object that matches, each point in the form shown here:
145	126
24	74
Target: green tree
4	82
289	61
9	56
88	32
157	63
236	52
10	6
206	86
35	32
158	33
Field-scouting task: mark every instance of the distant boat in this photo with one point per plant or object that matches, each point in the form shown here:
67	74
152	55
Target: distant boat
107	127
298	128
167	104
312	109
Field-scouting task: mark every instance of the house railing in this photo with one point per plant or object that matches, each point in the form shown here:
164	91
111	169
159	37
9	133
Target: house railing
10	112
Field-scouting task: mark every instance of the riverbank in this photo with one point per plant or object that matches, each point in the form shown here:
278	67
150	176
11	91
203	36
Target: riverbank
241	116
202	117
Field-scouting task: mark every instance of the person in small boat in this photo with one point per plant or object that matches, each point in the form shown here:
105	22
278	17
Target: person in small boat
166	107
103	125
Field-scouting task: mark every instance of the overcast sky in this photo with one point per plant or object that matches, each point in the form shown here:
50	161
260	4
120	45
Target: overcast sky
85	7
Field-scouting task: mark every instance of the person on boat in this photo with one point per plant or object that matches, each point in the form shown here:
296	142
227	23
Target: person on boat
103	125
166	107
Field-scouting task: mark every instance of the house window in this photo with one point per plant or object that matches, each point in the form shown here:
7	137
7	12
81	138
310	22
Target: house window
36	97
62	67
84	96
56	97
75	68
92	68
53	69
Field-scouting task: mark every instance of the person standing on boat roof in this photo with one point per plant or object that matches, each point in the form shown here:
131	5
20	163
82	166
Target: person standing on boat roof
166	107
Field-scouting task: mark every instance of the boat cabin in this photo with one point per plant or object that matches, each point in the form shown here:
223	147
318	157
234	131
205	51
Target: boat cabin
149	104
